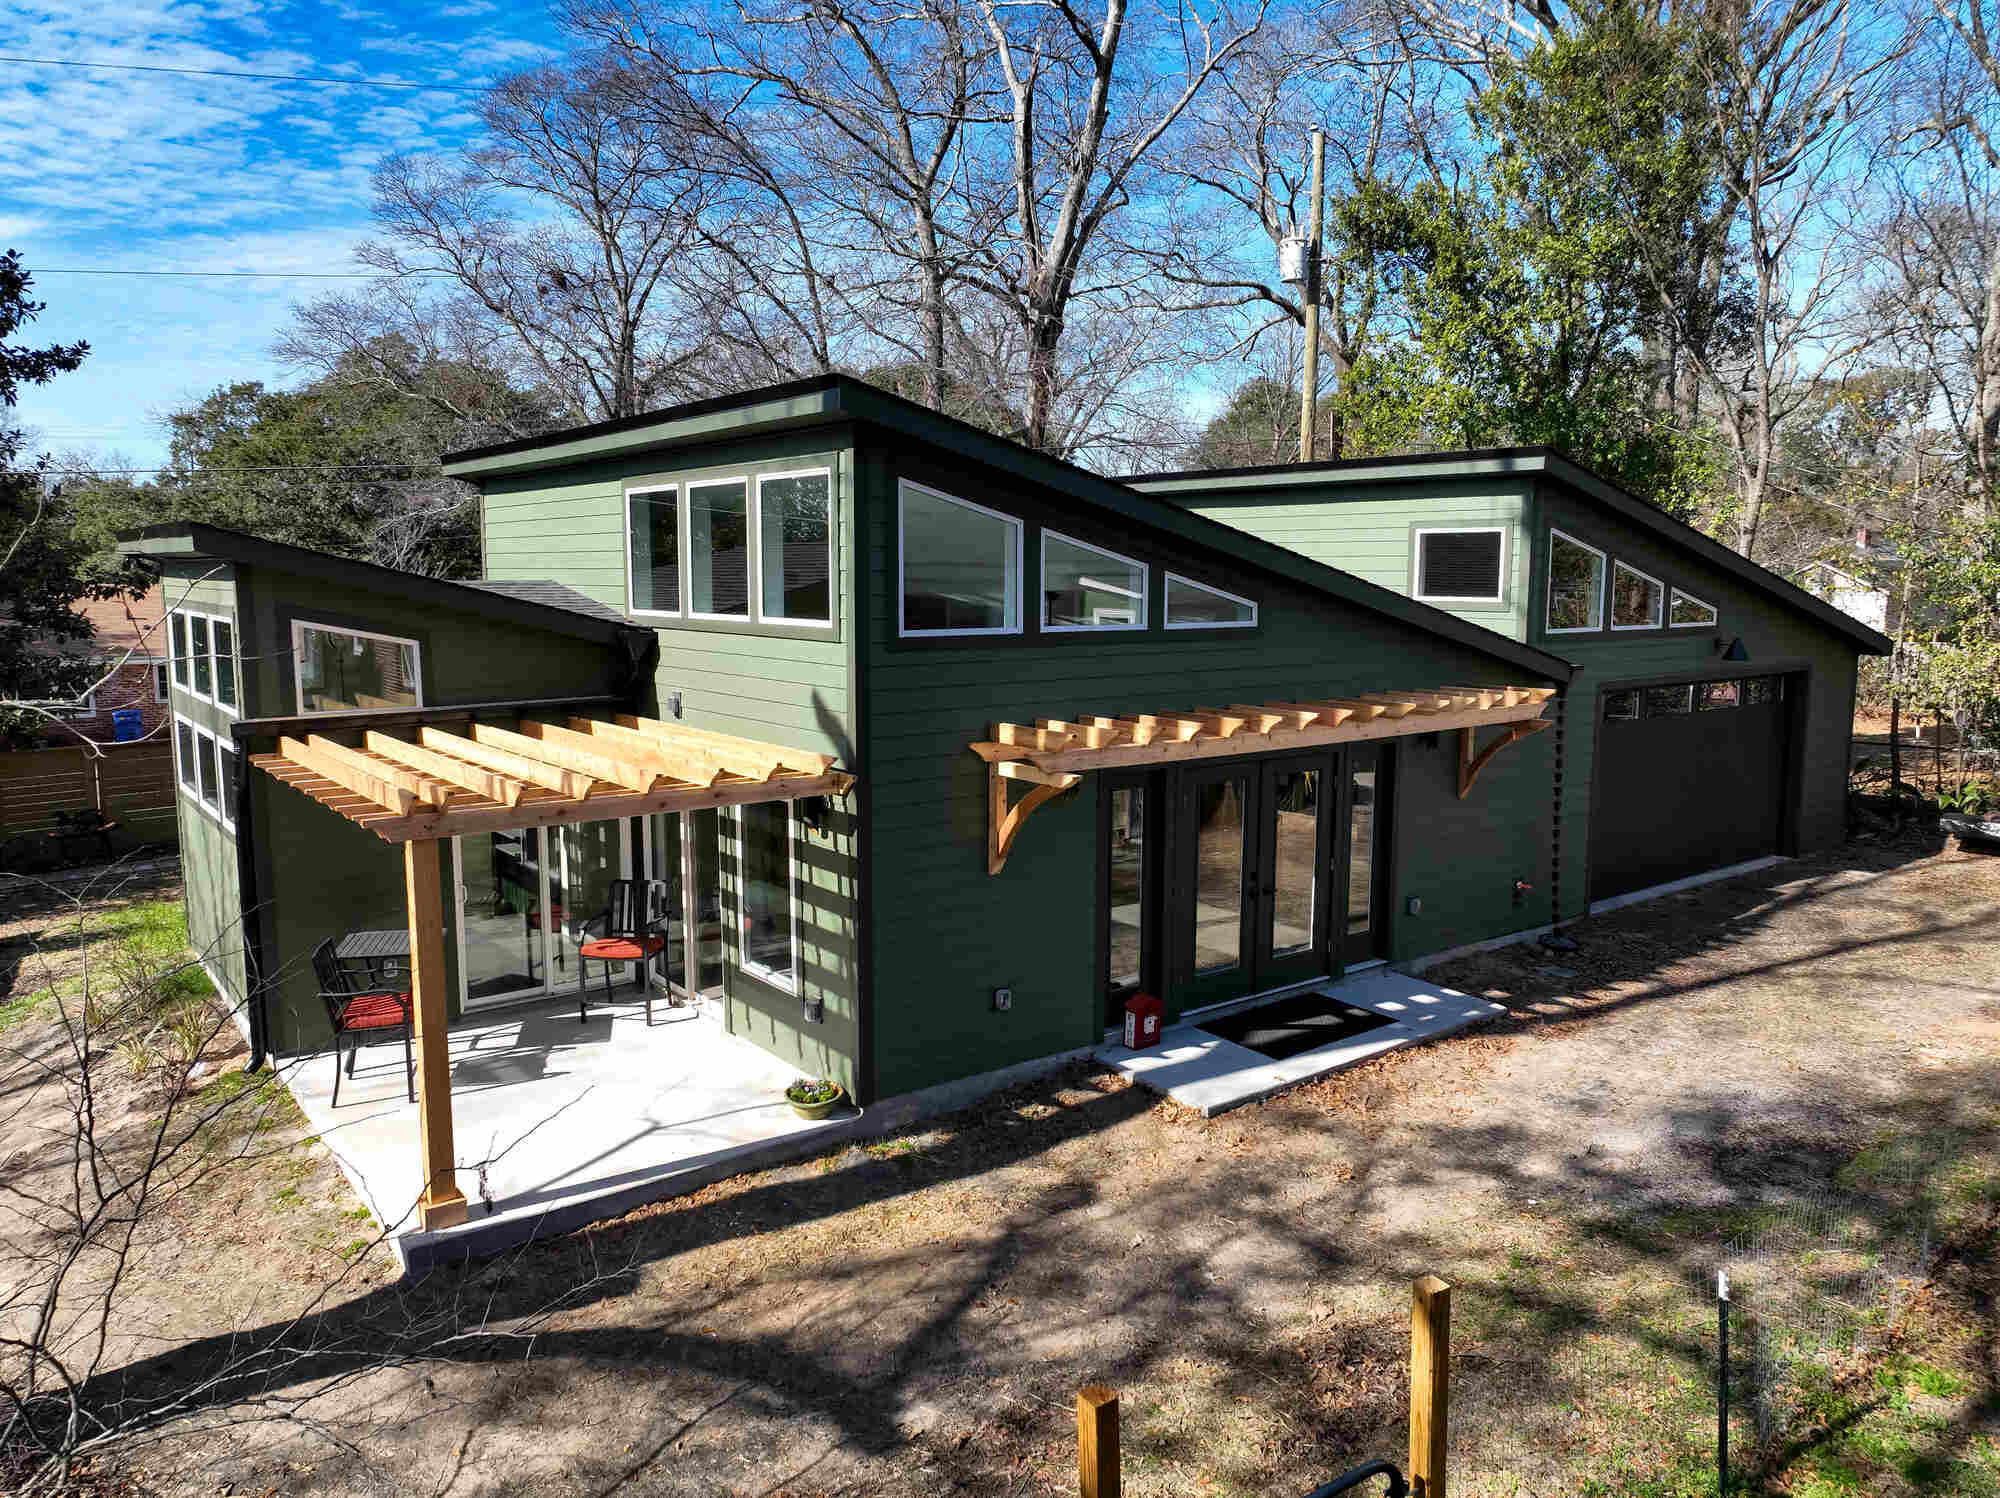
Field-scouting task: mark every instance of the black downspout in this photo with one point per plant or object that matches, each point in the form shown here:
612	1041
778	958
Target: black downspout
255	1000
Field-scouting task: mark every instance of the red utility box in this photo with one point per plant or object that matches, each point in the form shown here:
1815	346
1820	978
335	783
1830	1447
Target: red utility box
1143	1015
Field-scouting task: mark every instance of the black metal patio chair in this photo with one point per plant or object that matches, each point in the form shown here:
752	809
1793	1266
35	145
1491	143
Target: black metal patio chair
362	1008
633	927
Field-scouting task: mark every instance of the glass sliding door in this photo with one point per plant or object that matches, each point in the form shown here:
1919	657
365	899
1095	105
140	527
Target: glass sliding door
1361	878
583	860
1221	888
1130	880
503	948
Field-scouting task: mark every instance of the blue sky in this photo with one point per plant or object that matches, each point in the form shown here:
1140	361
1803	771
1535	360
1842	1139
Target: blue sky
152	171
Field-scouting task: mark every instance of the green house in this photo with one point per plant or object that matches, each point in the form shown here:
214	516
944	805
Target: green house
935	750
1708	716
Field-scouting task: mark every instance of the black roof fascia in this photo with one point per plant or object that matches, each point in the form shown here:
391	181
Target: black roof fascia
209	541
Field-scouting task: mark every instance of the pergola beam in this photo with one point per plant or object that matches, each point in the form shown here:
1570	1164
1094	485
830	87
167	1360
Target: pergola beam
494	787
573	784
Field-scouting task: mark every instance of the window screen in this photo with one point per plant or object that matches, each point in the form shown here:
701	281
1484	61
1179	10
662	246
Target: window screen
1459	565
961	567
795	549
654	517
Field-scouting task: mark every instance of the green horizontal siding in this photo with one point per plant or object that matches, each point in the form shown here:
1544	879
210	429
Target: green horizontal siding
945	933
1365	529
1777	638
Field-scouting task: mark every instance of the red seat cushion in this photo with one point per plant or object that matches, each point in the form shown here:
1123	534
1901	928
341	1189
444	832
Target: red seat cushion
618	949
375	1011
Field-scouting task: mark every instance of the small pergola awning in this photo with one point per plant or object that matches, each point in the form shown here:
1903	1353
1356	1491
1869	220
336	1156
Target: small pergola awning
441	784
1052	754
436	784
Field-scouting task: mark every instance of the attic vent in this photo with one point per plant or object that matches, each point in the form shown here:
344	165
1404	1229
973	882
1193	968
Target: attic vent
1460	566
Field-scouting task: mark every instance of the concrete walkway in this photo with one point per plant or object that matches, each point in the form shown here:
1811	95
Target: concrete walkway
1213	1075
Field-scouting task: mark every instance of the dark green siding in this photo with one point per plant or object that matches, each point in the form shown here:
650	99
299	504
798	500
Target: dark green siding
945	933
788	685
1777	638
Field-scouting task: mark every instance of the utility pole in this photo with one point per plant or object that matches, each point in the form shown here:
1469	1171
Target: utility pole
1309	407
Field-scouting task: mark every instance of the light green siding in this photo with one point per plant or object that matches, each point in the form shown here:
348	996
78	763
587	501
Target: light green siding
790	685
1778	639
1367	529
945	933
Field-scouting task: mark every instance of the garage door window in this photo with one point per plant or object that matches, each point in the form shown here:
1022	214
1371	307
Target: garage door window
1762	691
1719	694
1576	586
1665	702
1620	707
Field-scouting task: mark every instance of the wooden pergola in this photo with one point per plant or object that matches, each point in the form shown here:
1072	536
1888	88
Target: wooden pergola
1052	755
435	784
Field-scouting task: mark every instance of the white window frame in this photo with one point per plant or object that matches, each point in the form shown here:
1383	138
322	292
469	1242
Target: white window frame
222	779
757	552
1015	604
1166	608
193	793
163	679
179	657
1674	595
181	675
1499	594
300	626
1549	592
788	983
1611	597
632	608
1140	601
684	513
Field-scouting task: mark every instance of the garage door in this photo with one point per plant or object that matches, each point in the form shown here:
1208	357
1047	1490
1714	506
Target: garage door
1689	777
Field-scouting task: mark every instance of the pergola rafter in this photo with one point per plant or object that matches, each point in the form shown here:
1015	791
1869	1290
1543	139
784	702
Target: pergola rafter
1053	754
439	784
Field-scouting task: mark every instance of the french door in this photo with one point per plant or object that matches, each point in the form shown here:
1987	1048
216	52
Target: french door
522	893
1228	879
684	851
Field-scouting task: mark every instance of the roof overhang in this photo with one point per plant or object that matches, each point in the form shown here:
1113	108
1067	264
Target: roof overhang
1052	756
427	782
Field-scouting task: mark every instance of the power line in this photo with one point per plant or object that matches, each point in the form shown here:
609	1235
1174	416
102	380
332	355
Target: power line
263	275
315	78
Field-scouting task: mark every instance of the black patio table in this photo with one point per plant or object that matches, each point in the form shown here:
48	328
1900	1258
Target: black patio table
377	950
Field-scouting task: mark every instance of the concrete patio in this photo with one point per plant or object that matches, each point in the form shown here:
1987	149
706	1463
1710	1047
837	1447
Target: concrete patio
557	1123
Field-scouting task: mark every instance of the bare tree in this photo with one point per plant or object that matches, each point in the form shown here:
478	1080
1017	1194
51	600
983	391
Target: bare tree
1090	97
557	234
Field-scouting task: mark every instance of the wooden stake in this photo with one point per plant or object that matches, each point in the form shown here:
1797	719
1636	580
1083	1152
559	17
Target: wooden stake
1430	1385
442	1205
1097	1441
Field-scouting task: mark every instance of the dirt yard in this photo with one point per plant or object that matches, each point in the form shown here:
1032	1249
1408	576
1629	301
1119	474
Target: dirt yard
1814	1044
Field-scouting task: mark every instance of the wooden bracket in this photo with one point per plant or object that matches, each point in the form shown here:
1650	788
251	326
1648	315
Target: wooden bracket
1003	822
1470	764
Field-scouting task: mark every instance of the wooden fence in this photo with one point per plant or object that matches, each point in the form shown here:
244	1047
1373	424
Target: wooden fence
132	784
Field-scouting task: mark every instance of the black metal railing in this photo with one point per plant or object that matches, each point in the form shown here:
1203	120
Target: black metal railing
1399	1486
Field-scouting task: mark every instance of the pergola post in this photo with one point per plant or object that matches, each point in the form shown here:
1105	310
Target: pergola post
442	1204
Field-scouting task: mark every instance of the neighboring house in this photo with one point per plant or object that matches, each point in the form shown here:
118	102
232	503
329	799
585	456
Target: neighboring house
128	648
939	749
1853	596
1708	719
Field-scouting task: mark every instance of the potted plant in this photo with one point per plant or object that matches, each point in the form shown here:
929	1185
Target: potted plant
814	1097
